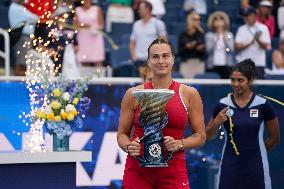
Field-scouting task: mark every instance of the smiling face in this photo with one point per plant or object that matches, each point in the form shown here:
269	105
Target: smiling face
240	83
160	59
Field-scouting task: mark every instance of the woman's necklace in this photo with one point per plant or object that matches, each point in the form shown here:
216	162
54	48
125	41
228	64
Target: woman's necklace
154	87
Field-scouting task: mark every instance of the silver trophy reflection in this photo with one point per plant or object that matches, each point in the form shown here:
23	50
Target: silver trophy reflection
153	118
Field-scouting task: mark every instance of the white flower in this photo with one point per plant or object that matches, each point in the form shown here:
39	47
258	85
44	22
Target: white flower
48	110
69	108
66	96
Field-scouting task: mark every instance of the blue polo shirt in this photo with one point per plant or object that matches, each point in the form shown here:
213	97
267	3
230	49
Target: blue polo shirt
250	169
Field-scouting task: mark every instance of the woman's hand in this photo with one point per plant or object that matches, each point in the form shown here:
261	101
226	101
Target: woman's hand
221	117
134	147
171	144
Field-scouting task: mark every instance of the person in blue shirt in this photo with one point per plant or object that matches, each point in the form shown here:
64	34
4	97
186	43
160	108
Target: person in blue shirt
244	116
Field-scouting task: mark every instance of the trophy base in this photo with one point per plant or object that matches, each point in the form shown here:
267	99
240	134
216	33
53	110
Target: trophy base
153	164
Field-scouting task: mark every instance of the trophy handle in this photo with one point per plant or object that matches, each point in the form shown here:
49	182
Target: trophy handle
141	159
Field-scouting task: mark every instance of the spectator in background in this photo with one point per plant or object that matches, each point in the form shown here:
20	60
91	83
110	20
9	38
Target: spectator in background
191	47
62	7
158	8
146	73
119	11
264	16
135	7
143	33
44	9
278	59
89	19
63	34
250	3
252	39
198	6
280	15
219	45
18	16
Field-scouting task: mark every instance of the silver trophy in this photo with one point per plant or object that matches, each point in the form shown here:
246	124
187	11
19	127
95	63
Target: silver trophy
153	118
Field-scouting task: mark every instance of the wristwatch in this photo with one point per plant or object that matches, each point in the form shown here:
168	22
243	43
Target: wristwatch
180	146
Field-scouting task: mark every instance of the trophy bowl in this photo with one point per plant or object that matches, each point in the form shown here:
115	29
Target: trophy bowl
153	118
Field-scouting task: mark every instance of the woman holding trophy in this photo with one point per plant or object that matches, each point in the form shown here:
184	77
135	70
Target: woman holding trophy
153	118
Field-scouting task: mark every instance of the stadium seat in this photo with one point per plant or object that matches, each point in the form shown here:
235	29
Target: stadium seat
174	42
174	2
120	55
173	9
275	42
268	58
274	77
119	29
171	17
176	28
177	75
208	75
125	39
234	28
5	3
4	21
125	69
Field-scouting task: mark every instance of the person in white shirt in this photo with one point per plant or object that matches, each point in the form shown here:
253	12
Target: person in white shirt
144	32
18	15
199	6
278	59
252	39
219	45
119	11
158	8
280	20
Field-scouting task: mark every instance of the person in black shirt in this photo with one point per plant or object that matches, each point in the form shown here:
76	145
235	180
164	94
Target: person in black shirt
191	47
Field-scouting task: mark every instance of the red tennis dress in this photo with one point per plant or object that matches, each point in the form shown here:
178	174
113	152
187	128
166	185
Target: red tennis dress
173	176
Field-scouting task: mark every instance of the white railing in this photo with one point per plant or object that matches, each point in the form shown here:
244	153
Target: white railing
6	53
133	80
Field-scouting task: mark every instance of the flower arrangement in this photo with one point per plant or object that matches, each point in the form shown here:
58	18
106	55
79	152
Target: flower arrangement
65	106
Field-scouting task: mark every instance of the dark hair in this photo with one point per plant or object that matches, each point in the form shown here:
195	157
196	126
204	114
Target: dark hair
161	41
147	5
246	67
